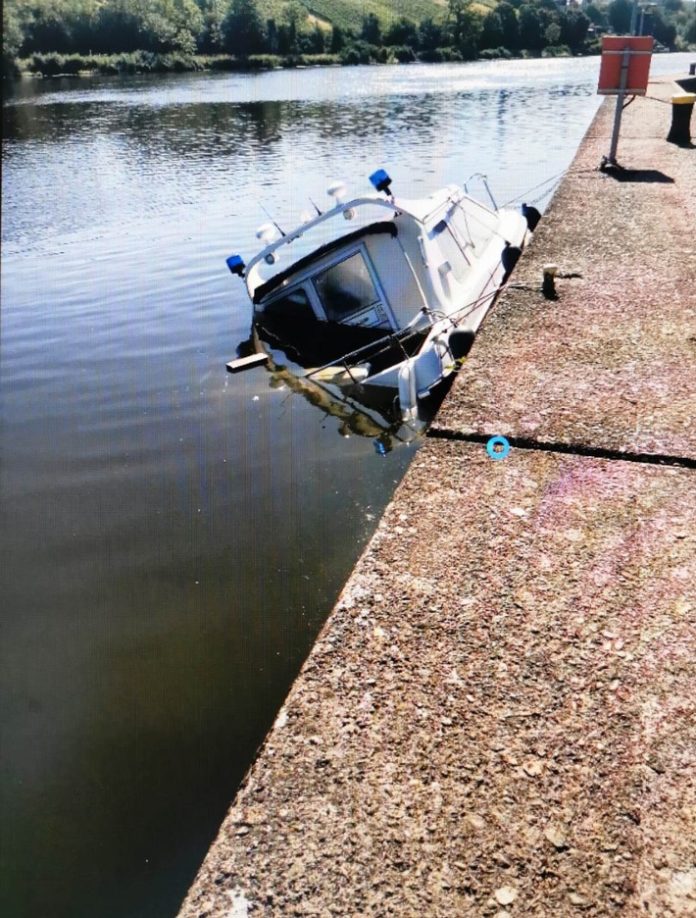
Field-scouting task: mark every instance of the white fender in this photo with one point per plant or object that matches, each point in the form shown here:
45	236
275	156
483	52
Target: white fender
408	399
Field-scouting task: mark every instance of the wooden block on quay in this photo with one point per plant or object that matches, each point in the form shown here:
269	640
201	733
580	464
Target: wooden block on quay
244	363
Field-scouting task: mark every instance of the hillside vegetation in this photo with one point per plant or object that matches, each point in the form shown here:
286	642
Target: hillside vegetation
348	14
70	36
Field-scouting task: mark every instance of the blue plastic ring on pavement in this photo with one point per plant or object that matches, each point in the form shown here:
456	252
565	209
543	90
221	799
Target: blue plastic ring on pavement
498	441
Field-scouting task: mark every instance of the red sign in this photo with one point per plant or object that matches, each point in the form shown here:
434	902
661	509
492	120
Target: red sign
613	47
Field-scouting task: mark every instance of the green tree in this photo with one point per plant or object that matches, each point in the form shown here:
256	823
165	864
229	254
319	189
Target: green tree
338	40
663	31
491	31
465	26
574	26
209	39
402	32
271	36
619	14
119	27
531	29
595	15
552	34
316	41
134	25
12	36
371	30
508	21
57	25
430	34
285	43
242	29
690	32
172	25
294	16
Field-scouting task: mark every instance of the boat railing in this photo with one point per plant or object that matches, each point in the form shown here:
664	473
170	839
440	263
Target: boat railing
375	348
341	208
484	181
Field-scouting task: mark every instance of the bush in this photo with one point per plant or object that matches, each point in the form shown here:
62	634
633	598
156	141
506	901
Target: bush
360	52
441	56
557	51
222	62
321	60
403	54
47	64
350	57
495	54
50	65
267	61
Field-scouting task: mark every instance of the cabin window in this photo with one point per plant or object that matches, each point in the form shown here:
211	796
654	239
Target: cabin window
451	249
292	305
347	288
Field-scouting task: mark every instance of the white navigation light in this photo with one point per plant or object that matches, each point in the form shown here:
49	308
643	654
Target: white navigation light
266	232
337	191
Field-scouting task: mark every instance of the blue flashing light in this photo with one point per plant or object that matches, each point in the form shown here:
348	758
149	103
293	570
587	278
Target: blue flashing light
381	180
236	264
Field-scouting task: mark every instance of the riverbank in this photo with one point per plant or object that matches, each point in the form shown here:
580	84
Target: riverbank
497	716
139	62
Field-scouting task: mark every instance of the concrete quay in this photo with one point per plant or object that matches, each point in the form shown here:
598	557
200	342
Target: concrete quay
610	363
498	717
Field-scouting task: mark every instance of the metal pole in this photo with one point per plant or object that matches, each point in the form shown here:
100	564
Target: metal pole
642	20
625	60
634	17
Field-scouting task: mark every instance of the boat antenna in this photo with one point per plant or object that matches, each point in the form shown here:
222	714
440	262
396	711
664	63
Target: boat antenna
319	213
271	219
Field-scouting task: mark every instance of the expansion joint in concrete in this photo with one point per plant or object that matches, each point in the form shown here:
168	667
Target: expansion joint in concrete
575	449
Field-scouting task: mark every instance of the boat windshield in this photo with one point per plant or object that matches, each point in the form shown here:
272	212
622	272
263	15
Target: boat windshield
292	305
346	288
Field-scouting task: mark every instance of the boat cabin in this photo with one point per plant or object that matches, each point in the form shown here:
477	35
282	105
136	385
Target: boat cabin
386	285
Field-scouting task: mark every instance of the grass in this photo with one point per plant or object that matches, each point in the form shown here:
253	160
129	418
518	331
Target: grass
348	14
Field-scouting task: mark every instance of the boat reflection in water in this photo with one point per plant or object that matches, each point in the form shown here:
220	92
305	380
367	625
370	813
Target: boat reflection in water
363	411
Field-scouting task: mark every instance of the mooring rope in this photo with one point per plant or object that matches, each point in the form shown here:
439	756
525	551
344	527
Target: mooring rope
519	197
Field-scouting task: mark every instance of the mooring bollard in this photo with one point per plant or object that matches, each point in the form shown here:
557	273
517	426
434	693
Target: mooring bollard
682	106
548	282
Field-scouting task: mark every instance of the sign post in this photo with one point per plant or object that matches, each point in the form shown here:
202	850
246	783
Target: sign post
623	72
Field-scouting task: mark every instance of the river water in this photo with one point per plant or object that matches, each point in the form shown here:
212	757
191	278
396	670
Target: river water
173	537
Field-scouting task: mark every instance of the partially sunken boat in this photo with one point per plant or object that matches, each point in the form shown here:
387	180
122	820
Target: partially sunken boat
381	291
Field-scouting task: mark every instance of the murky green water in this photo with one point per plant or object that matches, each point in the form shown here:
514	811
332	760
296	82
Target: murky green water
173	537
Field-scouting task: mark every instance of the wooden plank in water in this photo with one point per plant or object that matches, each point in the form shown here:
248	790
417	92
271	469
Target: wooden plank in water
244	363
